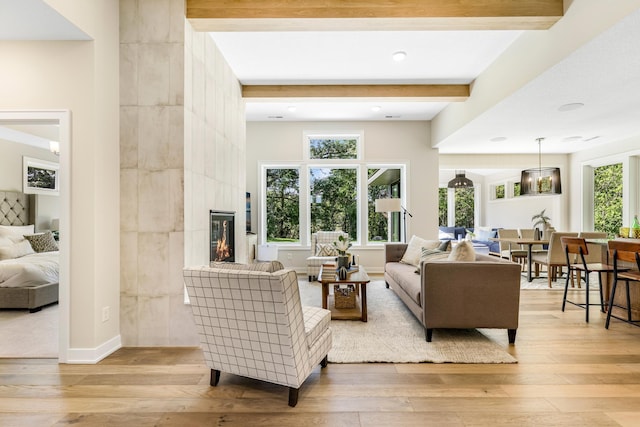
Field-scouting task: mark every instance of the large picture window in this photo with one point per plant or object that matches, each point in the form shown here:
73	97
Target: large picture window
282	204
331	188
334	200
456	207
607	199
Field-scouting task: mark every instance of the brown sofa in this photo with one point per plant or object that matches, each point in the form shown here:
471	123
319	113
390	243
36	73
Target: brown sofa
484	293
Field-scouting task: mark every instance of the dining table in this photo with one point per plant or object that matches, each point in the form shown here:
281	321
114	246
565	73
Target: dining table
524	242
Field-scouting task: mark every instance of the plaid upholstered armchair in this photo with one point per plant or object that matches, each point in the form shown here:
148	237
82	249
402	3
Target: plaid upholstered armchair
251	323
322	250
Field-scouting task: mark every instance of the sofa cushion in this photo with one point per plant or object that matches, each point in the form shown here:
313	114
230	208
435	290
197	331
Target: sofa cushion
445	246
484	233
403	275
463	251
443	235
414	249
431	255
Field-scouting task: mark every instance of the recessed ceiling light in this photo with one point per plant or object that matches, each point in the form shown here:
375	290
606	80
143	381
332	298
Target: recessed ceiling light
498	139
376	108
292	108
571	107
399	56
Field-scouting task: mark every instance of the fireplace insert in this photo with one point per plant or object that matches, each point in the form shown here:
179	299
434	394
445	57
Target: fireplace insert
222	232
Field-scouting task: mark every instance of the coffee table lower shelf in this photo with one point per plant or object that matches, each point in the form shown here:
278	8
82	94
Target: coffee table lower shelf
357	278
345	313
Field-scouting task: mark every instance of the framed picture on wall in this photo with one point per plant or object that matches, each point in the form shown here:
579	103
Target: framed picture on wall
40	177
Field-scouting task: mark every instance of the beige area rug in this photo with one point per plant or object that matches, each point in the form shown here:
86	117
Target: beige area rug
392	334
29	335
542	282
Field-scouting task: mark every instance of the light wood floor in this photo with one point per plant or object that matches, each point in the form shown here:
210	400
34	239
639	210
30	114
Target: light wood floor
569	374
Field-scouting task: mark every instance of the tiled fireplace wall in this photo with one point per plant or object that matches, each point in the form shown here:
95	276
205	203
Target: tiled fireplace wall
181	131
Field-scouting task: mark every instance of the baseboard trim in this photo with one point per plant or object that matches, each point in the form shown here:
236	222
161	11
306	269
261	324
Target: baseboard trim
91	356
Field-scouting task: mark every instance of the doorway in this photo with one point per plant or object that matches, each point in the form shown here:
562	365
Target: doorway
61	119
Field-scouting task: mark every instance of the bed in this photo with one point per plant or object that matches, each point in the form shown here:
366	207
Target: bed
28	278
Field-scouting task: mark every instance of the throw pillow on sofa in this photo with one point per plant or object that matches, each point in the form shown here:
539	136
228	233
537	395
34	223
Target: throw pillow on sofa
463	251
414	249
431	255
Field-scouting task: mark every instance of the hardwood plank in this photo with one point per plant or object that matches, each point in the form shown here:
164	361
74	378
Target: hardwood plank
568	373
266	15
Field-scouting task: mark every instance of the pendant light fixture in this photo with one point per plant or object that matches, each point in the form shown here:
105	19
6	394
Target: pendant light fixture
540	181
460	181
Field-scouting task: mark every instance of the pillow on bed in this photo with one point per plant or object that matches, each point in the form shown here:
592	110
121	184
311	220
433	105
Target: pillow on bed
5	241
16	250
42	242
20	230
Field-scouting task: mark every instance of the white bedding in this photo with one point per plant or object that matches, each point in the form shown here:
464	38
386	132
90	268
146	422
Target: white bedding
30	270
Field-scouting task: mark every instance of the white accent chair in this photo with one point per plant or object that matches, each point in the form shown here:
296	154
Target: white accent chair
320	243
251	323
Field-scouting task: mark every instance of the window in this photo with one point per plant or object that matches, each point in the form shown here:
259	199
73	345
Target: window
607	198
464	203
334	200
499	192
383	182
456	207
331	148
282	205
443	206
516	189
332	188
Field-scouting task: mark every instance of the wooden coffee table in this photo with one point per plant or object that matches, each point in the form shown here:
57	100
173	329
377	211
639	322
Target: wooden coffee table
359	279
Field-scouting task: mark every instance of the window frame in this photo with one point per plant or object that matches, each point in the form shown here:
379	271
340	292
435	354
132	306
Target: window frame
306	164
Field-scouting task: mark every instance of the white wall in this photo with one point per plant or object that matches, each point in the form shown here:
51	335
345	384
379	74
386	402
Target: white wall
83	78
385	142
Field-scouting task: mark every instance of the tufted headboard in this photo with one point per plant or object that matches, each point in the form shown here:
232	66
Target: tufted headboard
14	208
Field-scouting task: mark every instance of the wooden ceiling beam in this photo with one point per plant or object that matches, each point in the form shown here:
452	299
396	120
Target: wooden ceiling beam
371	15
433	93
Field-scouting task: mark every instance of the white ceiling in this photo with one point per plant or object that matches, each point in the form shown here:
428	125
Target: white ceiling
602	75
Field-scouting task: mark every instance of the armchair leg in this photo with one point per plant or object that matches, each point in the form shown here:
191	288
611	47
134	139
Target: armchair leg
512	335
215	377
325	361
428	334
293	396
387	284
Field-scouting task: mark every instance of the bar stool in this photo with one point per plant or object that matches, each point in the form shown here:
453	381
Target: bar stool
623	251
577	246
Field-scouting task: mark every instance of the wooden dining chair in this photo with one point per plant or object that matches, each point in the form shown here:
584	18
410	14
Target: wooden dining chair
530	233
553	258
595	250
577	252
511	251
629	252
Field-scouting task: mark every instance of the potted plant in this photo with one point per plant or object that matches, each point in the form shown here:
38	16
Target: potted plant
541	219
342	246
